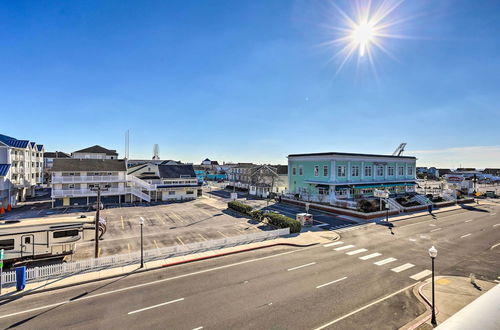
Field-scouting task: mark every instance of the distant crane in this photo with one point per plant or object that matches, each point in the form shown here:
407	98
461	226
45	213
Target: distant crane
399	150
156	152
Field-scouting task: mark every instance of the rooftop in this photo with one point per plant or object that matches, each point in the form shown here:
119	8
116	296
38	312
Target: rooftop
98	165
97	150
349	154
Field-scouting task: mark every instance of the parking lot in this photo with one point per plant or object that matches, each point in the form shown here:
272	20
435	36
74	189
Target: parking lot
166	225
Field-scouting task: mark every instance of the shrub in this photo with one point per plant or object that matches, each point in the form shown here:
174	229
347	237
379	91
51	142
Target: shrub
282	221
240	207
368	205
257	215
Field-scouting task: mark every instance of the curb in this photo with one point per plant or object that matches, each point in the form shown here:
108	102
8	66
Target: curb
14	296
428	311
423	215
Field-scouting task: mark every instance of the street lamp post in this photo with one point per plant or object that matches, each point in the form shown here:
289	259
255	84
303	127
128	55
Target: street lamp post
433	253
141	221
387	211
98	189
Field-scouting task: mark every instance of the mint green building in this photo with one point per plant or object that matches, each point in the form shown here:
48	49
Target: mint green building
334	175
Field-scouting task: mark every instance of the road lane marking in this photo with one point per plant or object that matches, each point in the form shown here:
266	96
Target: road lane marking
412	240
468	220
421	275
179	239
494	246
492	214
123	225
402	267
373	255
433	225
436	229
202	237
356	252
199	328
344	247
385	261
301	266
128	246
333	244
156	282
464	236
496	225
363	308
155	306
338	280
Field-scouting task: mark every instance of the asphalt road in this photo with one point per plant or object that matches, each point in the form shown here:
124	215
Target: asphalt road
362	281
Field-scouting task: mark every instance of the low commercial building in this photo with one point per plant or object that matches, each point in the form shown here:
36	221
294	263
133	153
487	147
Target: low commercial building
239	175
335	175
48	161
21	167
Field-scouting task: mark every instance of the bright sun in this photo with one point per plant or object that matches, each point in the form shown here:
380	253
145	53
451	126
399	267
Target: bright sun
364	30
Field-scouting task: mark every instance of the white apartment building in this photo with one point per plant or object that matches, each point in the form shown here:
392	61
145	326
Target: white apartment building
95	152
21	167
74	182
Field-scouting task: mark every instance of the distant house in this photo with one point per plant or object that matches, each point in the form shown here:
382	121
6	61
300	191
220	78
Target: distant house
21	166
95	152
239	175
492	171
135	162
209	162
266	179
48	161
444	171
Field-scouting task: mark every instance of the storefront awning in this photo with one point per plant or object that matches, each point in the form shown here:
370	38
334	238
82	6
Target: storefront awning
384	185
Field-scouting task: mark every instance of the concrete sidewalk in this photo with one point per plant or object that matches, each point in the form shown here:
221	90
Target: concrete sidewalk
309	237
452	294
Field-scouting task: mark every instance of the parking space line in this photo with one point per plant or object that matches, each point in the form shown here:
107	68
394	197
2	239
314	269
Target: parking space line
464	236
333	244
99	252
301	266
350	253
344	247
496	225
421	275
338	280
199	328
222	234
156	244
402	267
385	261
202	237
369	256
155	306
436	229
468	220
179	239
123	225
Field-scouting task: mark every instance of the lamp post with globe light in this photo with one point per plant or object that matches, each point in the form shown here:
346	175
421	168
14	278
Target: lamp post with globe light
433	254
141	221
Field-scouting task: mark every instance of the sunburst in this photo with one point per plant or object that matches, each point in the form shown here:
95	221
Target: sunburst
363	31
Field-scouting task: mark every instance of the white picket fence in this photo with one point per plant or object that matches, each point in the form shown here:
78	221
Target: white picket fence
76	267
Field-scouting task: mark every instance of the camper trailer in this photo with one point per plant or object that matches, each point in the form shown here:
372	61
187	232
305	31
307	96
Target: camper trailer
43	238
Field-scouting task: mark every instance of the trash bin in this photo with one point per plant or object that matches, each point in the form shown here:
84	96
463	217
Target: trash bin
20	278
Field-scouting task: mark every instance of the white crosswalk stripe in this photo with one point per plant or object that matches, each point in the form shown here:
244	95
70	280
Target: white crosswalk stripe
369	256
385	261
402	267
344	247
356	252
333	244
421	275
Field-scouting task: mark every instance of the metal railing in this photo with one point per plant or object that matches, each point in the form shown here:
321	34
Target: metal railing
85	178
59	193
73	268
141	183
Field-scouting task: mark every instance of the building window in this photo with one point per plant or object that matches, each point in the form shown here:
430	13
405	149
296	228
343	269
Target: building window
410	170
323	191
71	186
401	170
355	170
380	170
189	192
341	171
325	170
7	244
171	192
301	170
65	233
294	171
390	170
316	170
368	171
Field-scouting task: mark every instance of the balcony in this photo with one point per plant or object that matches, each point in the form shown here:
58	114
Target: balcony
87	179
60	193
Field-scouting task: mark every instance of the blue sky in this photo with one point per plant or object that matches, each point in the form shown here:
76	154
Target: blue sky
248	80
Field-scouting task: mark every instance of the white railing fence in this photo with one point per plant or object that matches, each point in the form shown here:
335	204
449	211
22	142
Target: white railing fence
87	178
34	274
141	183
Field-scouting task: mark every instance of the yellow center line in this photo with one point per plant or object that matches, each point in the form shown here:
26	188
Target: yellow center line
156	244
203	237
123	225
178	238
222	234
99	252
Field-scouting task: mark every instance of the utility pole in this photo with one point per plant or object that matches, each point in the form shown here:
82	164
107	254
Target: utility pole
97	220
